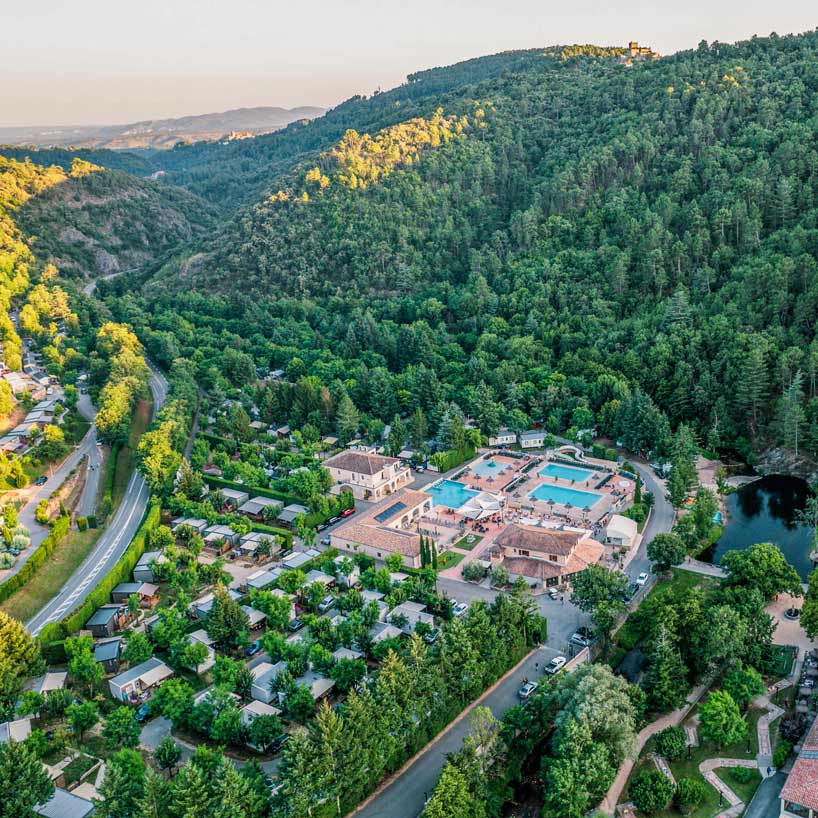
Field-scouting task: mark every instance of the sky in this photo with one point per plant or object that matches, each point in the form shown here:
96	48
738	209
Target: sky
110	62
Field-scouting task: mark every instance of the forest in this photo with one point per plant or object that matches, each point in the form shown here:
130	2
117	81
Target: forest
625	248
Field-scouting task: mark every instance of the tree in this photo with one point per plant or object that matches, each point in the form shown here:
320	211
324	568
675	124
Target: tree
138	648
744	684
24	781
666	550
347	418
605	615
173	700
690	792
452	797
226	623
19	658
762	566
82	666
596	584
299	703
168	754
82	716
650	791
671	743
703	511
263	731
720	719
121	729
122	787
155	801
666	677
346	673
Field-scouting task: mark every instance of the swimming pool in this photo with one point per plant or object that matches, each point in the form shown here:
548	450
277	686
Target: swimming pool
566	472
451	494
491	468
565	496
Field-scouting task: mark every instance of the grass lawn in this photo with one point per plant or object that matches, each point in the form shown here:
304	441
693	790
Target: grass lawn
784	658
448	559
51	575
743	789
684	768
126	461
465	544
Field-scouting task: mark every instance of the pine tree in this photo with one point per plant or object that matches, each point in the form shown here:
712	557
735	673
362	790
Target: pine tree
753	383
347	418
666	678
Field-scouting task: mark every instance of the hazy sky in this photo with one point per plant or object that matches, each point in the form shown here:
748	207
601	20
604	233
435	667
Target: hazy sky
110	61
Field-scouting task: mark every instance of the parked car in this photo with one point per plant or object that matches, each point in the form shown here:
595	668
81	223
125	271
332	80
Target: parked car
459	608
325	540
295	625
556	664
333	520
253	648
320	526
143	713
554	592
347	512
278	743
420	469
326	603
583	637
527	690
41	480
642	579
631	591
431	637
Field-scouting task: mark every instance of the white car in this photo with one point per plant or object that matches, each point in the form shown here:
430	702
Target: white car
527	690
459	608
642	578
555	665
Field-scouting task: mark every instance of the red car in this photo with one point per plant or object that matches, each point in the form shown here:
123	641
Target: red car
347	512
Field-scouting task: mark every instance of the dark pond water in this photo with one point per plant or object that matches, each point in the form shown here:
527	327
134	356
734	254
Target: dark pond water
764	511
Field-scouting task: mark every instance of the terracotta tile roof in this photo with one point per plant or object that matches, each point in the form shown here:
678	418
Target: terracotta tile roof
360	462
801	786
388	539
542	540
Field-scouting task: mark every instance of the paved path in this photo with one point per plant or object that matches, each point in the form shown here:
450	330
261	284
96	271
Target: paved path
112	542
673	719
706	568
764	759
765	803
707	769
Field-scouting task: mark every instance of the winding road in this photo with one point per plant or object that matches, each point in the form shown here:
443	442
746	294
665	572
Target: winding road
119	532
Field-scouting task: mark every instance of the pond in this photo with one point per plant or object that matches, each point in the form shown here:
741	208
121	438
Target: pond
764	511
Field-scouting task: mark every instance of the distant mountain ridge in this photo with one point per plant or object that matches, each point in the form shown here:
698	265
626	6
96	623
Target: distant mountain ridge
161	133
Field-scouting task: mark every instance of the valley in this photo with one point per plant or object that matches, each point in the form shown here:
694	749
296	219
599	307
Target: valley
413	430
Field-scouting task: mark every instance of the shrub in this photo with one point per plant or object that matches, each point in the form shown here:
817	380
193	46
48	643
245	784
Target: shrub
782	753
473	572
650	791
610	454
743	774
672	743
690	793
82	523
92	520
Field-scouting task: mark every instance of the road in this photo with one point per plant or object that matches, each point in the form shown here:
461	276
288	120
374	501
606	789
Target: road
112	542
404	796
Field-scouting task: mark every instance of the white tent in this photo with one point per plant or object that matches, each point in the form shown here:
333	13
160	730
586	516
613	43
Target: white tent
480	506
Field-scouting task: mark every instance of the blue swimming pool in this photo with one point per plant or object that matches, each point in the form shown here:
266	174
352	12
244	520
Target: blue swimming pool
450	493
490	468
566	472
565	496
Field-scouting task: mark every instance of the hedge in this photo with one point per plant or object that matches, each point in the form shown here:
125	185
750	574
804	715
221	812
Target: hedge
38	557
281	532
121	572
253	491
445	461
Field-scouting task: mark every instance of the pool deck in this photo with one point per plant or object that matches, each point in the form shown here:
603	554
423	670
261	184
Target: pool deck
494	483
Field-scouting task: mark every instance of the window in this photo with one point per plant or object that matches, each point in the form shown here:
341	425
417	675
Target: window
553	557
